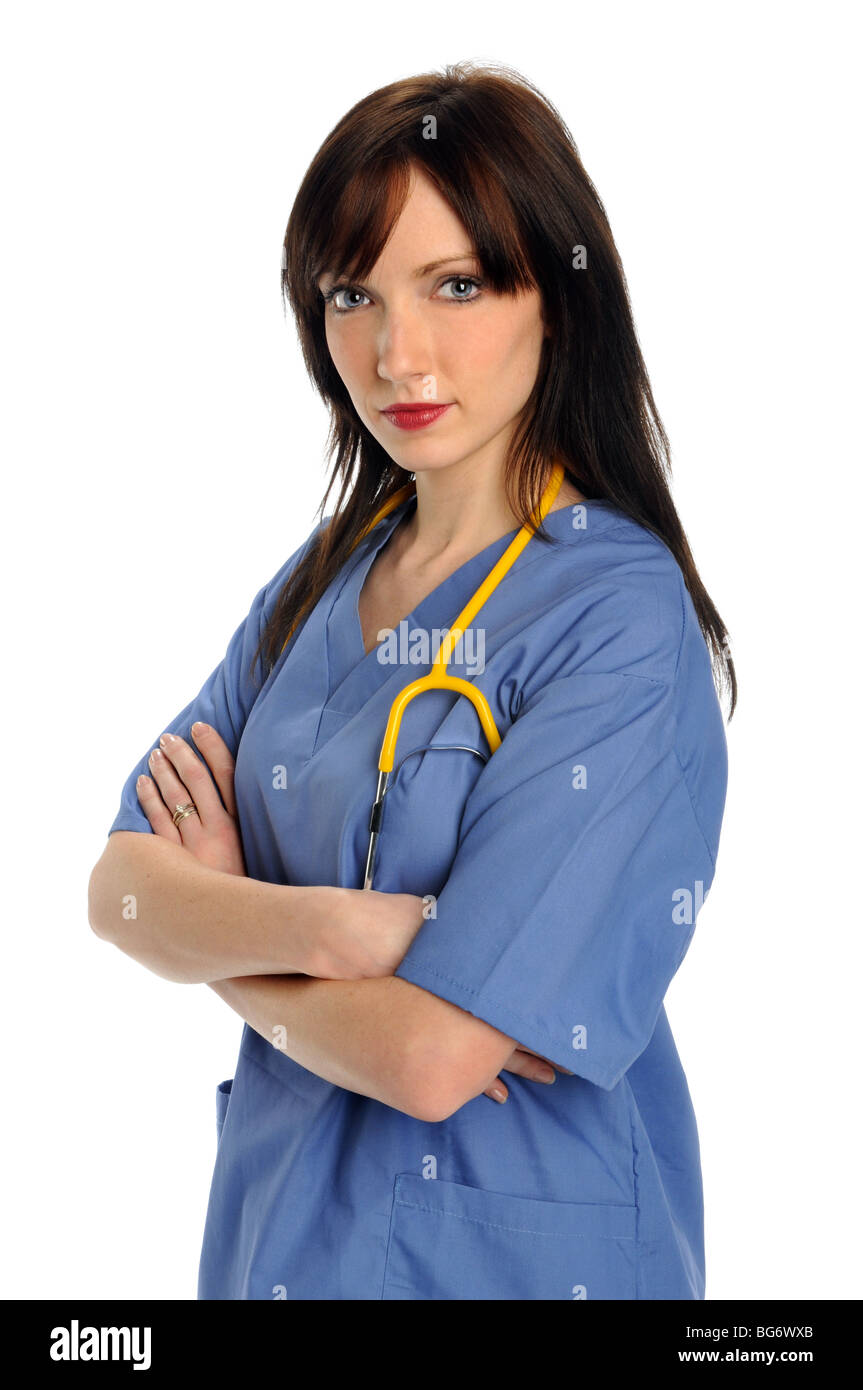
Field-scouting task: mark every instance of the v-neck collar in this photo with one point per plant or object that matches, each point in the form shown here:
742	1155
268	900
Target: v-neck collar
353	674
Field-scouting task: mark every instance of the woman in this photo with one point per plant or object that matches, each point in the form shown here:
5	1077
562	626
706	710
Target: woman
463	311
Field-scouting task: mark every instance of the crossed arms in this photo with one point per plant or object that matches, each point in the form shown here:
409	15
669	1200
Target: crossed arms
308	968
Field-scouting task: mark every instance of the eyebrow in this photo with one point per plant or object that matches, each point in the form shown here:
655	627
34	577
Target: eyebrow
432	265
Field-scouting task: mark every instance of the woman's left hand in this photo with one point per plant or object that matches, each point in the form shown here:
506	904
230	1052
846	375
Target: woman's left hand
179	777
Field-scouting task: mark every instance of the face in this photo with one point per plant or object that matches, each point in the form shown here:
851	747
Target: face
428	334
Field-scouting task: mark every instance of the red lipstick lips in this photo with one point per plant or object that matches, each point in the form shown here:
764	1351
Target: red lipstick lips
415	416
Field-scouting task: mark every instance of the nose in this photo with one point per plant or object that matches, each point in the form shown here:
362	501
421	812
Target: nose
404	350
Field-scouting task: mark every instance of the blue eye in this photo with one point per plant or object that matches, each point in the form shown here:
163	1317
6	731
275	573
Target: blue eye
463	280
331	296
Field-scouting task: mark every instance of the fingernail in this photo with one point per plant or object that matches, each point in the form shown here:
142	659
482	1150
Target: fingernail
142	781
198	728
166	739
498	1093
155	755
546	1078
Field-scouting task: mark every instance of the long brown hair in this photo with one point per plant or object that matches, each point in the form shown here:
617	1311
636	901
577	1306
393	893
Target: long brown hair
502	157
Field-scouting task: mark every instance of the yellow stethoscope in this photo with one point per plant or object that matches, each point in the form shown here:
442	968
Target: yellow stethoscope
438	678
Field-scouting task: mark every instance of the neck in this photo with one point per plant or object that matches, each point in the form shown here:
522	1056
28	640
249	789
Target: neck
461	509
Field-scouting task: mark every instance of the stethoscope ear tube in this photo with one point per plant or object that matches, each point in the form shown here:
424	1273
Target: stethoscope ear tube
377	813
375	822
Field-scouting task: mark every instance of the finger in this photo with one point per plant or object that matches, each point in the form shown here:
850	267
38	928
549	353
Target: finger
174	793
522	1048
213	747
497	1091
155	810
195	778
529	1065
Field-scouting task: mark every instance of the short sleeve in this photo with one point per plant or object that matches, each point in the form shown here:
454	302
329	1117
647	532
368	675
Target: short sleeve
580	869
227	695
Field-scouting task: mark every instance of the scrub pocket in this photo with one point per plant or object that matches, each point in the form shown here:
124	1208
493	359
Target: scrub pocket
448	1241
223	1095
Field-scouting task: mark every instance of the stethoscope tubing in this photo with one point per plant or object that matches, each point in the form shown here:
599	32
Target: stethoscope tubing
438	677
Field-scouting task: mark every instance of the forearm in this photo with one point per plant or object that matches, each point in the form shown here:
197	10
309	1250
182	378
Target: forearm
192	924
368	1036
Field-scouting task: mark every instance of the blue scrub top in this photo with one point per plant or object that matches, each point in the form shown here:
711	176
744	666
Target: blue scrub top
567	871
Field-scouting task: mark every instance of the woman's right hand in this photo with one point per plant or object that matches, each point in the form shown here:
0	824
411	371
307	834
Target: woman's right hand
366	936
370	936
523	1061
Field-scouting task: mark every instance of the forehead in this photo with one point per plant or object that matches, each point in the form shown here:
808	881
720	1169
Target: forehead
420	272
424	234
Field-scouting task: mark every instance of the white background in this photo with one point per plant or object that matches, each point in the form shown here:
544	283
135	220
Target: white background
164	454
